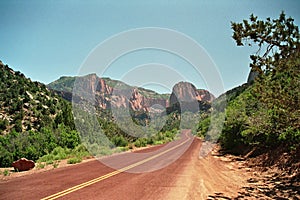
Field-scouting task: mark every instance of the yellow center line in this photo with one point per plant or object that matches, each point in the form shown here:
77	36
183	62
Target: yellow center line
85	184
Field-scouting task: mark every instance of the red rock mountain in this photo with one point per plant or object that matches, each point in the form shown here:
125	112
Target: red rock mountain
186	97
107	93
187	92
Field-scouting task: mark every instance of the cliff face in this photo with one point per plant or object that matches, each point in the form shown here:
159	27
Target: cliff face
186	97
107	93
187	92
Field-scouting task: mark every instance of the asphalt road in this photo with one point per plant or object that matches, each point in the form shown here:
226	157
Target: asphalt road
147	174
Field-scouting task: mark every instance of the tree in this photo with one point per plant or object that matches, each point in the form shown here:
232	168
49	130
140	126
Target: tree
275	118
277	41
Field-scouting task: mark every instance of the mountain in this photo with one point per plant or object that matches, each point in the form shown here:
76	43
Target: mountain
108	93
186	97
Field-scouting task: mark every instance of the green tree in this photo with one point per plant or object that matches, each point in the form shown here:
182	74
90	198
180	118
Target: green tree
277	41
270	110
3	124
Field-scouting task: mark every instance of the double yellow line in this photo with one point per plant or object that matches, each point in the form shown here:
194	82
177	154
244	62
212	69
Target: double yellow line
85	184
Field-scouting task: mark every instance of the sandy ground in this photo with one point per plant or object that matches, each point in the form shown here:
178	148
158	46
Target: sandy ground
211	177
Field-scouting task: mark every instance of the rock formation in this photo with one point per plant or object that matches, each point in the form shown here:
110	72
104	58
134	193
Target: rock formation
106	93
23	164
186	97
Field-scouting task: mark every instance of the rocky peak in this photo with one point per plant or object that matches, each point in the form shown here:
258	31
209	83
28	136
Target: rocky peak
102	87
187	92
204	95
107	93
137	101
186	97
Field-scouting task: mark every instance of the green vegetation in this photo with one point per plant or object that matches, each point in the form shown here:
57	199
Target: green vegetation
34	144
33	120
151	94
74	160
40	165
60	153
265	113
64	83
116	84
6	172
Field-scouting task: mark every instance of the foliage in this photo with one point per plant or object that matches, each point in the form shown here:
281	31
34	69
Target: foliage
59	153
28	105
6	172
141	142
64	83
74	160
120	141
267	113
203	125
277	41
33	119
34	144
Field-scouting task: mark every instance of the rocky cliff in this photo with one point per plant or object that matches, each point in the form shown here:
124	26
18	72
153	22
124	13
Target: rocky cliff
186	97
107	93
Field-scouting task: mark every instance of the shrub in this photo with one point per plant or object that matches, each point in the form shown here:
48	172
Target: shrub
6	172
55	164
40	166
74	160
120	141
141	142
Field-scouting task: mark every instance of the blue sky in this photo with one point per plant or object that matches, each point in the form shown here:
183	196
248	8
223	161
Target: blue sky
48	39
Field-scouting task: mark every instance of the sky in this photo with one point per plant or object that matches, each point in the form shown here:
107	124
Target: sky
49	39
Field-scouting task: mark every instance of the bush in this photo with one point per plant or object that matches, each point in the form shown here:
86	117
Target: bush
46	158
203	126
141	142
80	151
6	172
74	160
119	141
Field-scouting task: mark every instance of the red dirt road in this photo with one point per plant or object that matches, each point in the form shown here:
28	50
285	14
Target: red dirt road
185	178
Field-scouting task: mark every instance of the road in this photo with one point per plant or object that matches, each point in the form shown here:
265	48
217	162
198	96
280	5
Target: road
171	171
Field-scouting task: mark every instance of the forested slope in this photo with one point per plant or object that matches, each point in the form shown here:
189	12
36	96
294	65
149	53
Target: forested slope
263	117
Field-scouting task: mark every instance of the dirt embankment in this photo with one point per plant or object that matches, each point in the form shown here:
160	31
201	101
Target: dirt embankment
273	174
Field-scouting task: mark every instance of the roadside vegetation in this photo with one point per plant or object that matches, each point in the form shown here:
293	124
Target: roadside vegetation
264	114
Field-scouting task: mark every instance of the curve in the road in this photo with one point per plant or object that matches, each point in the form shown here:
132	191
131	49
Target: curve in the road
106	176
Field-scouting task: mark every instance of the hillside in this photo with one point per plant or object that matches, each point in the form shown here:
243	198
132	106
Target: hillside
33	119
27	105
262	118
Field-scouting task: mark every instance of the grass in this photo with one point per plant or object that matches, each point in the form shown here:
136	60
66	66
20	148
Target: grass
41	165
55	164
121	149
74	160
73	155
80	152
6	172
158	142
